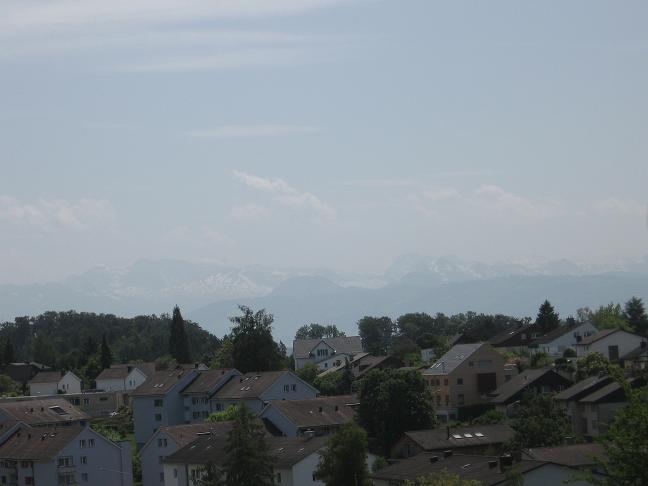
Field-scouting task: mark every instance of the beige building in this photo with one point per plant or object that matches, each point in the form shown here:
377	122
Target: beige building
464	376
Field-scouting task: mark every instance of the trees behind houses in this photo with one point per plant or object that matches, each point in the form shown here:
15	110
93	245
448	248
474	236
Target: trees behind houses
635	316
253	348
548	319
178	342
392	402
344	461
318	331
540	422
376	334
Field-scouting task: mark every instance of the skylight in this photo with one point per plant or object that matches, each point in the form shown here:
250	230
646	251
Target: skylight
468	436
479	434
456	436
58	410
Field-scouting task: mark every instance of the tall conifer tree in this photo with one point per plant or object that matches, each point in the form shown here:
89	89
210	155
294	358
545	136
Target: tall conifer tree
178	342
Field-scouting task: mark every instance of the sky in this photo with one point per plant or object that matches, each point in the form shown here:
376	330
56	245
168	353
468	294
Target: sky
327	133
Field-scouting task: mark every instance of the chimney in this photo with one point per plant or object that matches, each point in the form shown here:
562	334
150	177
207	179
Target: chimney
337	408
492	464
309	434
320	410
434	459
505	462
447	432
447	453
643	344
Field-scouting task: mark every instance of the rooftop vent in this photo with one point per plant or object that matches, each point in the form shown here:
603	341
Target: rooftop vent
447	453
492	464
434	459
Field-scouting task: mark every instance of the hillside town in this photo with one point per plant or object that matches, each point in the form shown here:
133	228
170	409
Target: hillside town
541	402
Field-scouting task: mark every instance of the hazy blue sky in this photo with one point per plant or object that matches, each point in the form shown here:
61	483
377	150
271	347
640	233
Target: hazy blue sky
333	133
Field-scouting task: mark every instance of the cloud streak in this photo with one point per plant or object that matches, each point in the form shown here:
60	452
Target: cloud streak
253	131
286	194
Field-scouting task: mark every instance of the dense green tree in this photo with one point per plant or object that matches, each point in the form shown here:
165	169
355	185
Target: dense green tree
253	348
345	384
106	356
329	384
444	478
317	331
8	387
178	342
635	316
491	417
392	402
540	422
247	457
92	368
230	413
308	373
540	360
548	319
8	355
626	443
44	352
223	357
591	365
89	347
210	475
344	461
376	334
610	316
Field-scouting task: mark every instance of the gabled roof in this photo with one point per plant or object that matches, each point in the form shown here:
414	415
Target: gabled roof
453	358
47	377
186	433
467	467
471	436
512	333
521	382
583	387
577	455
43	411
287	451
161	382
343	344
209	381
603	334
558	332
252	384
316	412
38	444
635	353
119	372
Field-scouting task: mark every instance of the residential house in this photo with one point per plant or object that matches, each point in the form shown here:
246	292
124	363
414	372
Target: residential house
516	338
21	373
321	416
256	389
487	470
562	338
197	396
474	439
53	382
542	380
611	343
53	456
158	401
40	412
325	352
95	404
428	355
295	460
569	398
575	457
464	376
120	378
637	359
167	440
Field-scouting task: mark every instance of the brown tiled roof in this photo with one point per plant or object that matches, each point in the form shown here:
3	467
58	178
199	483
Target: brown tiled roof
208	381
577	455
317	412
286	451
583	387
160	382
47	377
472	436
37	444
344	344
467	467
186	433
43	411
249	385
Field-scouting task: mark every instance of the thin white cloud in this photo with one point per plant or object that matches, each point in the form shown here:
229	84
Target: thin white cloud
50	214
253	131
285	194
248	212
613	206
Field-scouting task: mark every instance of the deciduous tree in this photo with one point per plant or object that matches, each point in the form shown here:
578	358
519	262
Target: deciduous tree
106	357
540	422
253	348
376	334
344	461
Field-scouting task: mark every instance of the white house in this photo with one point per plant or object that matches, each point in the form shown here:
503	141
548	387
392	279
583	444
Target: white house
565	337
53	382
325	352
255	389
167	440
53	456
120	378
611	343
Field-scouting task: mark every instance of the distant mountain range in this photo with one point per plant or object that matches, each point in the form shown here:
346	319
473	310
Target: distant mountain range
209	292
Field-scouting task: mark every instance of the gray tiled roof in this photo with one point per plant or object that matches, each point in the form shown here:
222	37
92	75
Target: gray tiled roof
583	387
453	358
186	433
43	411
577	455
599	335
343	344
208	381
317	412
160	382
47	377
37	444
470	436
250	385
520	382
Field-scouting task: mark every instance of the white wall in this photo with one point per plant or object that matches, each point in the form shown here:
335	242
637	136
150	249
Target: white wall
43	389
558	346
70	383
624	340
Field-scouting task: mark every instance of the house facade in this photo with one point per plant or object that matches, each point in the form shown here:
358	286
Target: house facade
464	376
565	337
516	338
611	343
120	378
60	456
325	352
198	395
256	389
53	382
543	380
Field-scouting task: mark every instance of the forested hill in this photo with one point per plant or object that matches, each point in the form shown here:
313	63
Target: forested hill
66	339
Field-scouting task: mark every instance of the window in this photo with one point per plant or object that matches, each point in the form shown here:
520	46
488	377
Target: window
158	417
484	363
24	464
84	476
286	388
460	399
438	399
83	460
447	400
175	473
193	474
205	414
196	415
65	479
65	461
103	399
90	442
194	401
459	381
160	459
86	401
278	478
82	443
293	388
158	402
613	353
76	401
471	363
